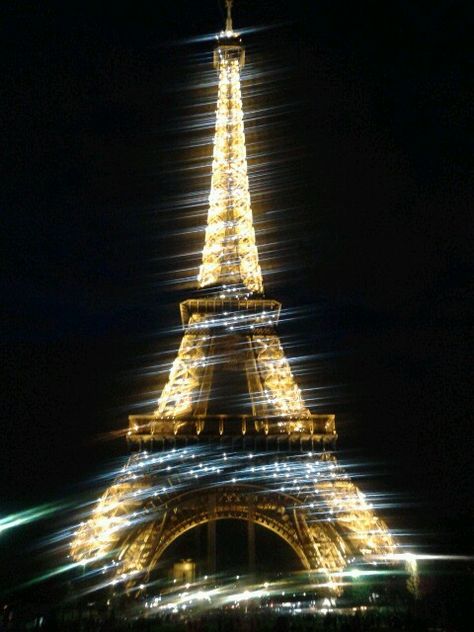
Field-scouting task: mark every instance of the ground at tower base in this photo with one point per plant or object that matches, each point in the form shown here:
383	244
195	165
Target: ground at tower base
443	604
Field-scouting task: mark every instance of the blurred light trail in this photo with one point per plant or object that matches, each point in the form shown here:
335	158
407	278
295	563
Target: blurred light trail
28	516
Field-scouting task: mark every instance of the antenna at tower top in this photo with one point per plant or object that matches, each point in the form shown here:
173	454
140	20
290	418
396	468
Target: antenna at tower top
228	22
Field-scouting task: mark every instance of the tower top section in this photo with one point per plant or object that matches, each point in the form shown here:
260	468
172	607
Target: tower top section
230	263
229	43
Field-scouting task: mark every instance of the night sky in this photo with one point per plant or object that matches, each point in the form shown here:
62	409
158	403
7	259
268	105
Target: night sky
363	221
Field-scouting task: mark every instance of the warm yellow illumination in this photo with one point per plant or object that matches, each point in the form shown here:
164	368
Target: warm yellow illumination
186	373
282	395
305	497
98	537
230	255
351	511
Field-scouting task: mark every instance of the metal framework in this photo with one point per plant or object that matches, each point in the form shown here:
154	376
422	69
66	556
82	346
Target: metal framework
305	498
296	487
230	253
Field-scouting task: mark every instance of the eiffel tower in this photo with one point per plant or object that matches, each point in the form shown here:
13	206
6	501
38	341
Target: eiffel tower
231	437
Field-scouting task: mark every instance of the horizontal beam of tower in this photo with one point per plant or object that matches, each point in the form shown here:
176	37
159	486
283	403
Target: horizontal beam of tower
259	311
142	428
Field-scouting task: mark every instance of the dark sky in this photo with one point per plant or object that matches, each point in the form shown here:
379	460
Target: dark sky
368	201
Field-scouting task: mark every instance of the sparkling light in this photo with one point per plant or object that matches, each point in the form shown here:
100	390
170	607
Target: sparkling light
127	519
230	254
306	498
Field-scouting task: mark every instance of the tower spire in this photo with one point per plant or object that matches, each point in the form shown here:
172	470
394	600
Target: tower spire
228	22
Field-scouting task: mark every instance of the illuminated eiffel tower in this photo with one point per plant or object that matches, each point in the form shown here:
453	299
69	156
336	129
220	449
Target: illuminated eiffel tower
197	458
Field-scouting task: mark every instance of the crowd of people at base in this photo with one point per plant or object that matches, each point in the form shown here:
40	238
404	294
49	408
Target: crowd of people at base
237	622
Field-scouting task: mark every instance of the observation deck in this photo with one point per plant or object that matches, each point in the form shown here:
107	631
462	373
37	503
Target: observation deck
317	430
228	311
229	47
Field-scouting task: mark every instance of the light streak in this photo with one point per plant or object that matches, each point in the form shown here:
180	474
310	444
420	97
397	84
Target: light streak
28	516
314	483
306	498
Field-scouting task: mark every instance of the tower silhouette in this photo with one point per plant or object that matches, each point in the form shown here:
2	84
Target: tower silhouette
231	436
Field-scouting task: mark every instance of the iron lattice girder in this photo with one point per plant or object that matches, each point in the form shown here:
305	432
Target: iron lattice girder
224	311
144	428
271	385
230	253
277	512
306	499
